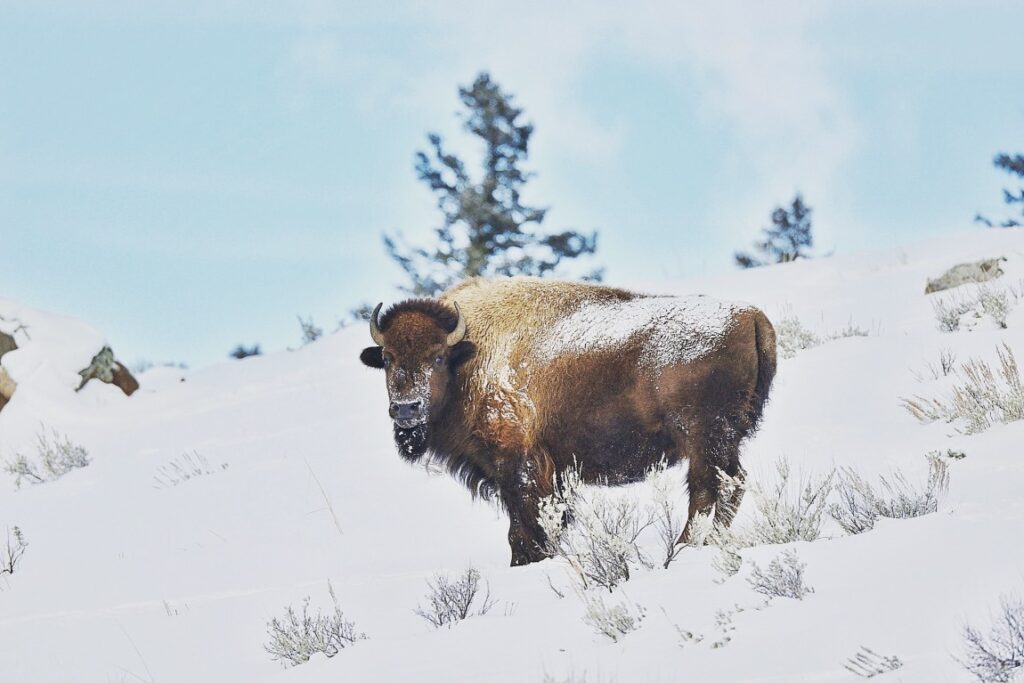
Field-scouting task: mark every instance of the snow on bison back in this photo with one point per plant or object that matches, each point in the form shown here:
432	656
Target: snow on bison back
510	381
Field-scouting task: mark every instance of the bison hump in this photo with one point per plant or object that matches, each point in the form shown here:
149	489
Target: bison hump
667	330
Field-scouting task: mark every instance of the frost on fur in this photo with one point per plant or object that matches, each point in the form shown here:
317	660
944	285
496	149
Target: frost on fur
599	536
984	396
867	663
294	638
12	553
612	621
997	656
55	456
783	579
785	515
861	504
449	602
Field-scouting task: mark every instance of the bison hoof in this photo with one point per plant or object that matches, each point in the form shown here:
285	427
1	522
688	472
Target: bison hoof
521	557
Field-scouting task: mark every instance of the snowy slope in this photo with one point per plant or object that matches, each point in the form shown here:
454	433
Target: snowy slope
126	581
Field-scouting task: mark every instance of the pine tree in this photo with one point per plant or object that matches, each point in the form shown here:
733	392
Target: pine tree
786	240
1014	165
486	230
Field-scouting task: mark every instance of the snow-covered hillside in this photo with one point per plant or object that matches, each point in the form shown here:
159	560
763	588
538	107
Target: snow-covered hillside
129	576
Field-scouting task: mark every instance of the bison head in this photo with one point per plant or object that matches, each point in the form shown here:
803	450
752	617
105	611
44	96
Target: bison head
420	344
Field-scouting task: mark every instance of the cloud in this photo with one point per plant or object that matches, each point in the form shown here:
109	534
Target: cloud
759	69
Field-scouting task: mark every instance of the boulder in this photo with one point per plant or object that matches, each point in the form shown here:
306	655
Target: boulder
7	387
963	273
7	343
106	368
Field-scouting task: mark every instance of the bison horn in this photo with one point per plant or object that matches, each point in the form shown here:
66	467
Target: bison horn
378	336
456	335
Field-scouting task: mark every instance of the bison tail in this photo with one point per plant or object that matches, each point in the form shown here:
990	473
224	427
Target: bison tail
764	338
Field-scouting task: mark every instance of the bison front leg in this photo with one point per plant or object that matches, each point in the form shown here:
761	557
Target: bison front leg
521	488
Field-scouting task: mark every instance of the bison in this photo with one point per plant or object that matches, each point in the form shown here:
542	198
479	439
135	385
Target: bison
510	381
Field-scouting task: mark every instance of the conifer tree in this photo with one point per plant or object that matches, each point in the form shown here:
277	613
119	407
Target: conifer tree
1014	165
788	238
486	229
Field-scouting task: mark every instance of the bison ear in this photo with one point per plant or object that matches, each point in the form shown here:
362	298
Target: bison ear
373	357
460	353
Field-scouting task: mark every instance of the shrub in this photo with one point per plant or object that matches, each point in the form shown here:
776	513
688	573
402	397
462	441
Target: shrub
56	455
594	531
791	336
784	578
667	518
996	304
184	467
295	638
948	313
782	517
998	656
861	504
449	602
12	554
728	560
985	396
946	367
867	663
612	621
850	330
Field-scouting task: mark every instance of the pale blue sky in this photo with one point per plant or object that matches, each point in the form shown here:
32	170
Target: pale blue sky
188	176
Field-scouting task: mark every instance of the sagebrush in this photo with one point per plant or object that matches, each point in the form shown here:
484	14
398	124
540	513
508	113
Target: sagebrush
294	638
12	553
861	504
984	396
55	456
997	656
790	510
867	663
784	577
184	467
791	335
612	621
963	311
594	531
450	601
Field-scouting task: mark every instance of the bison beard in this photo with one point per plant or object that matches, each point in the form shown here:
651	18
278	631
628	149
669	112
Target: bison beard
541	376
411	441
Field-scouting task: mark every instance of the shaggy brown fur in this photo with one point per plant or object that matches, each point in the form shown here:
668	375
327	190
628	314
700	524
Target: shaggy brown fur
512	406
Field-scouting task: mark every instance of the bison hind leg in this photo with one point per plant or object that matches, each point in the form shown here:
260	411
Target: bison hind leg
715	479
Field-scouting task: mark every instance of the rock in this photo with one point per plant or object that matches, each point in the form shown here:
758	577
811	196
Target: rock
7	343
963	273
106	368
7	387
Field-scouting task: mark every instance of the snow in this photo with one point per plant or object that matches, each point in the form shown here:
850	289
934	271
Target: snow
125	581
674	329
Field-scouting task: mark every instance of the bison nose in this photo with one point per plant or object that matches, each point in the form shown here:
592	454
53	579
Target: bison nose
408	410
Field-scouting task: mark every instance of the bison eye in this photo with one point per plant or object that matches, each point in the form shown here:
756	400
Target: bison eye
387	361
439	360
